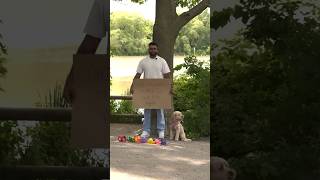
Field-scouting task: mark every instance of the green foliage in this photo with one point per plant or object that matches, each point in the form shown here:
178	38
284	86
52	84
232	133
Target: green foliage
10	135
50	145
50	141
10	140
187	3
180	3
125	106
113	106
221	18
194	37
266	93
54	98
129	33
192	97
138	1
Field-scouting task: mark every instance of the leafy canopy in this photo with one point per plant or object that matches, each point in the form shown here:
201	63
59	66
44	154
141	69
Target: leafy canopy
180	3
266	92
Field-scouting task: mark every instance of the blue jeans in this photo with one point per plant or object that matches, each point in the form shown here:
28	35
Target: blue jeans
147	120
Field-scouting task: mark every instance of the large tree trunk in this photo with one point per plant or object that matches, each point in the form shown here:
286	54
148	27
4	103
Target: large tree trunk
164	34
168	24
165	31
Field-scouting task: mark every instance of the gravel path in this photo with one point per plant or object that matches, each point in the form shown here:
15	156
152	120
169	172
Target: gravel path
177	160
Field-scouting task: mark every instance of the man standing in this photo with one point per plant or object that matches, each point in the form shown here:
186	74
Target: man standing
95	30
152	67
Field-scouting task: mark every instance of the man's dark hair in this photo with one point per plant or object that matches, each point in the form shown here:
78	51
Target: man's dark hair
153	44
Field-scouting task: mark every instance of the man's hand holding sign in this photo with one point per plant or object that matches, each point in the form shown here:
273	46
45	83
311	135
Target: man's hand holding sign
152	93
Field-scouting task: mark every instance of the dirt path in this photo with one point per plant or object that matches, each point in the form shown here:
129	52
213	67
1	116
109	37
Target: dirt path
177	160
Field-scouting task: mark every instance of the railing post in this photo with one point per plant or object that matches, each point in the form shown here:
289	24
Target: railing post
167	116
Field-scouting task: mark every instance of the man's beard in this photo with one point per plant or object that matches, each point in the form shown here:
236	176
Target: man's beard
153	54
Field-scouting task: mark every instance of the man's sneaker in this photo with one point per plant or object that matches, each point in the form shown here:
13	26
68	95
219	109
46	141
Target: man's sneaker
161	134
145	134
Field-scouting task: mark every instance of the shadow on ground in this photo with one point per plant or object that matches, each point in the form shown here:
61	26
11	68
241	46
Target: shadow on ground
177	160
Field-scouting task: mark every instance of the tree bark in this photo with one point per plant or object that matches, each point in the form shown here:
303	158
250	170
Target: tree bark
166	29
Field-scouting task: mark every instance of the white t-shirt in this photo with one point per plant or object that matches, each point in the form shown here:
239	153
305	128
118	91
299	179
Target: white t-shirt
153	68
97	22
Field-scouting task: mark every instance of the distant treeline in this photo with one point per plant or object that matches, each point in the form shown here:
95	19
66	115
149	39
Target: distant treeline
130	34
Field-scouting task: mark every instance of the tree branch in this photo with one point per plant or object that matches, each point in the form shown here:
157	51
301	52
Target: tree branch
187	16
173	6
165	10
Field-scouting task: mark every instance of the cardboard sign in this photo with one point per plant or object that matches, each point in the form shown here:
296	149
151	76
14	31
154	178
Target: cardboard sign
152	93
90	107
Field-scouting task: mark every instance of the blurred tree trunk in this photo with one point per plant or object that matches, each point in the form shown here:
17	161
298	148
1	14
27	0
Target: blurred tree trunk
3	50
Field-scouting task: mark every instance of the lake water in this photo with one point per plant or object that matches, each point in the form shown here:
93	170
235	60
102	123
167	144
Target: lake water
28	81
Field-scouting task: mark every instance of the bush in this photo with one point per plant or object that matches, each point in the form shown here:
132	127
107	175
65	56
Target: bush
266	96
10	142
124	106
192	97
50	141
264	111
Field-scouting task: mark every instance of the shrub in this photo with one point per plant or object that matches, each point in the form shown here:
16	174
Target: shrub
192	96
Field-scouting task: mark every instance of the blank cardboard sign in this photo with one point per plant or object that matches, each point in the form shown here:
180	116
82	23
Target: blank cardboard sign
90	107
152	93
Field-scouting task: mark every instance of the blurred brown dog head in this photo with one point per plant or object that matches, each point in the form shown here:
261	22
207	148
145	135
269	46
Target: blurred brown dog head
177	116
220	169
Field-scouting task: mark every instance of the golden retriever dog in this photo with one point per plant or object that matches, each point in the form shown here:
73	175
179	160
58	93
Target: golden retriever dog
220	169
176	128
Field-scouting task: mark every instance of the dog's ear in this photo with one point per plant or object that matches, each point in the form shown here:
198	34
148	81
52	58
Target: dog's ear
173	115
232	174
182	117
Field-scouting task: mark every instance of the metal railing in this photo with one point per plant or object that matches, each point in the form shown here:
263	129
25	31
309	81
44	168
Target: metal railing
56	172
59	114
